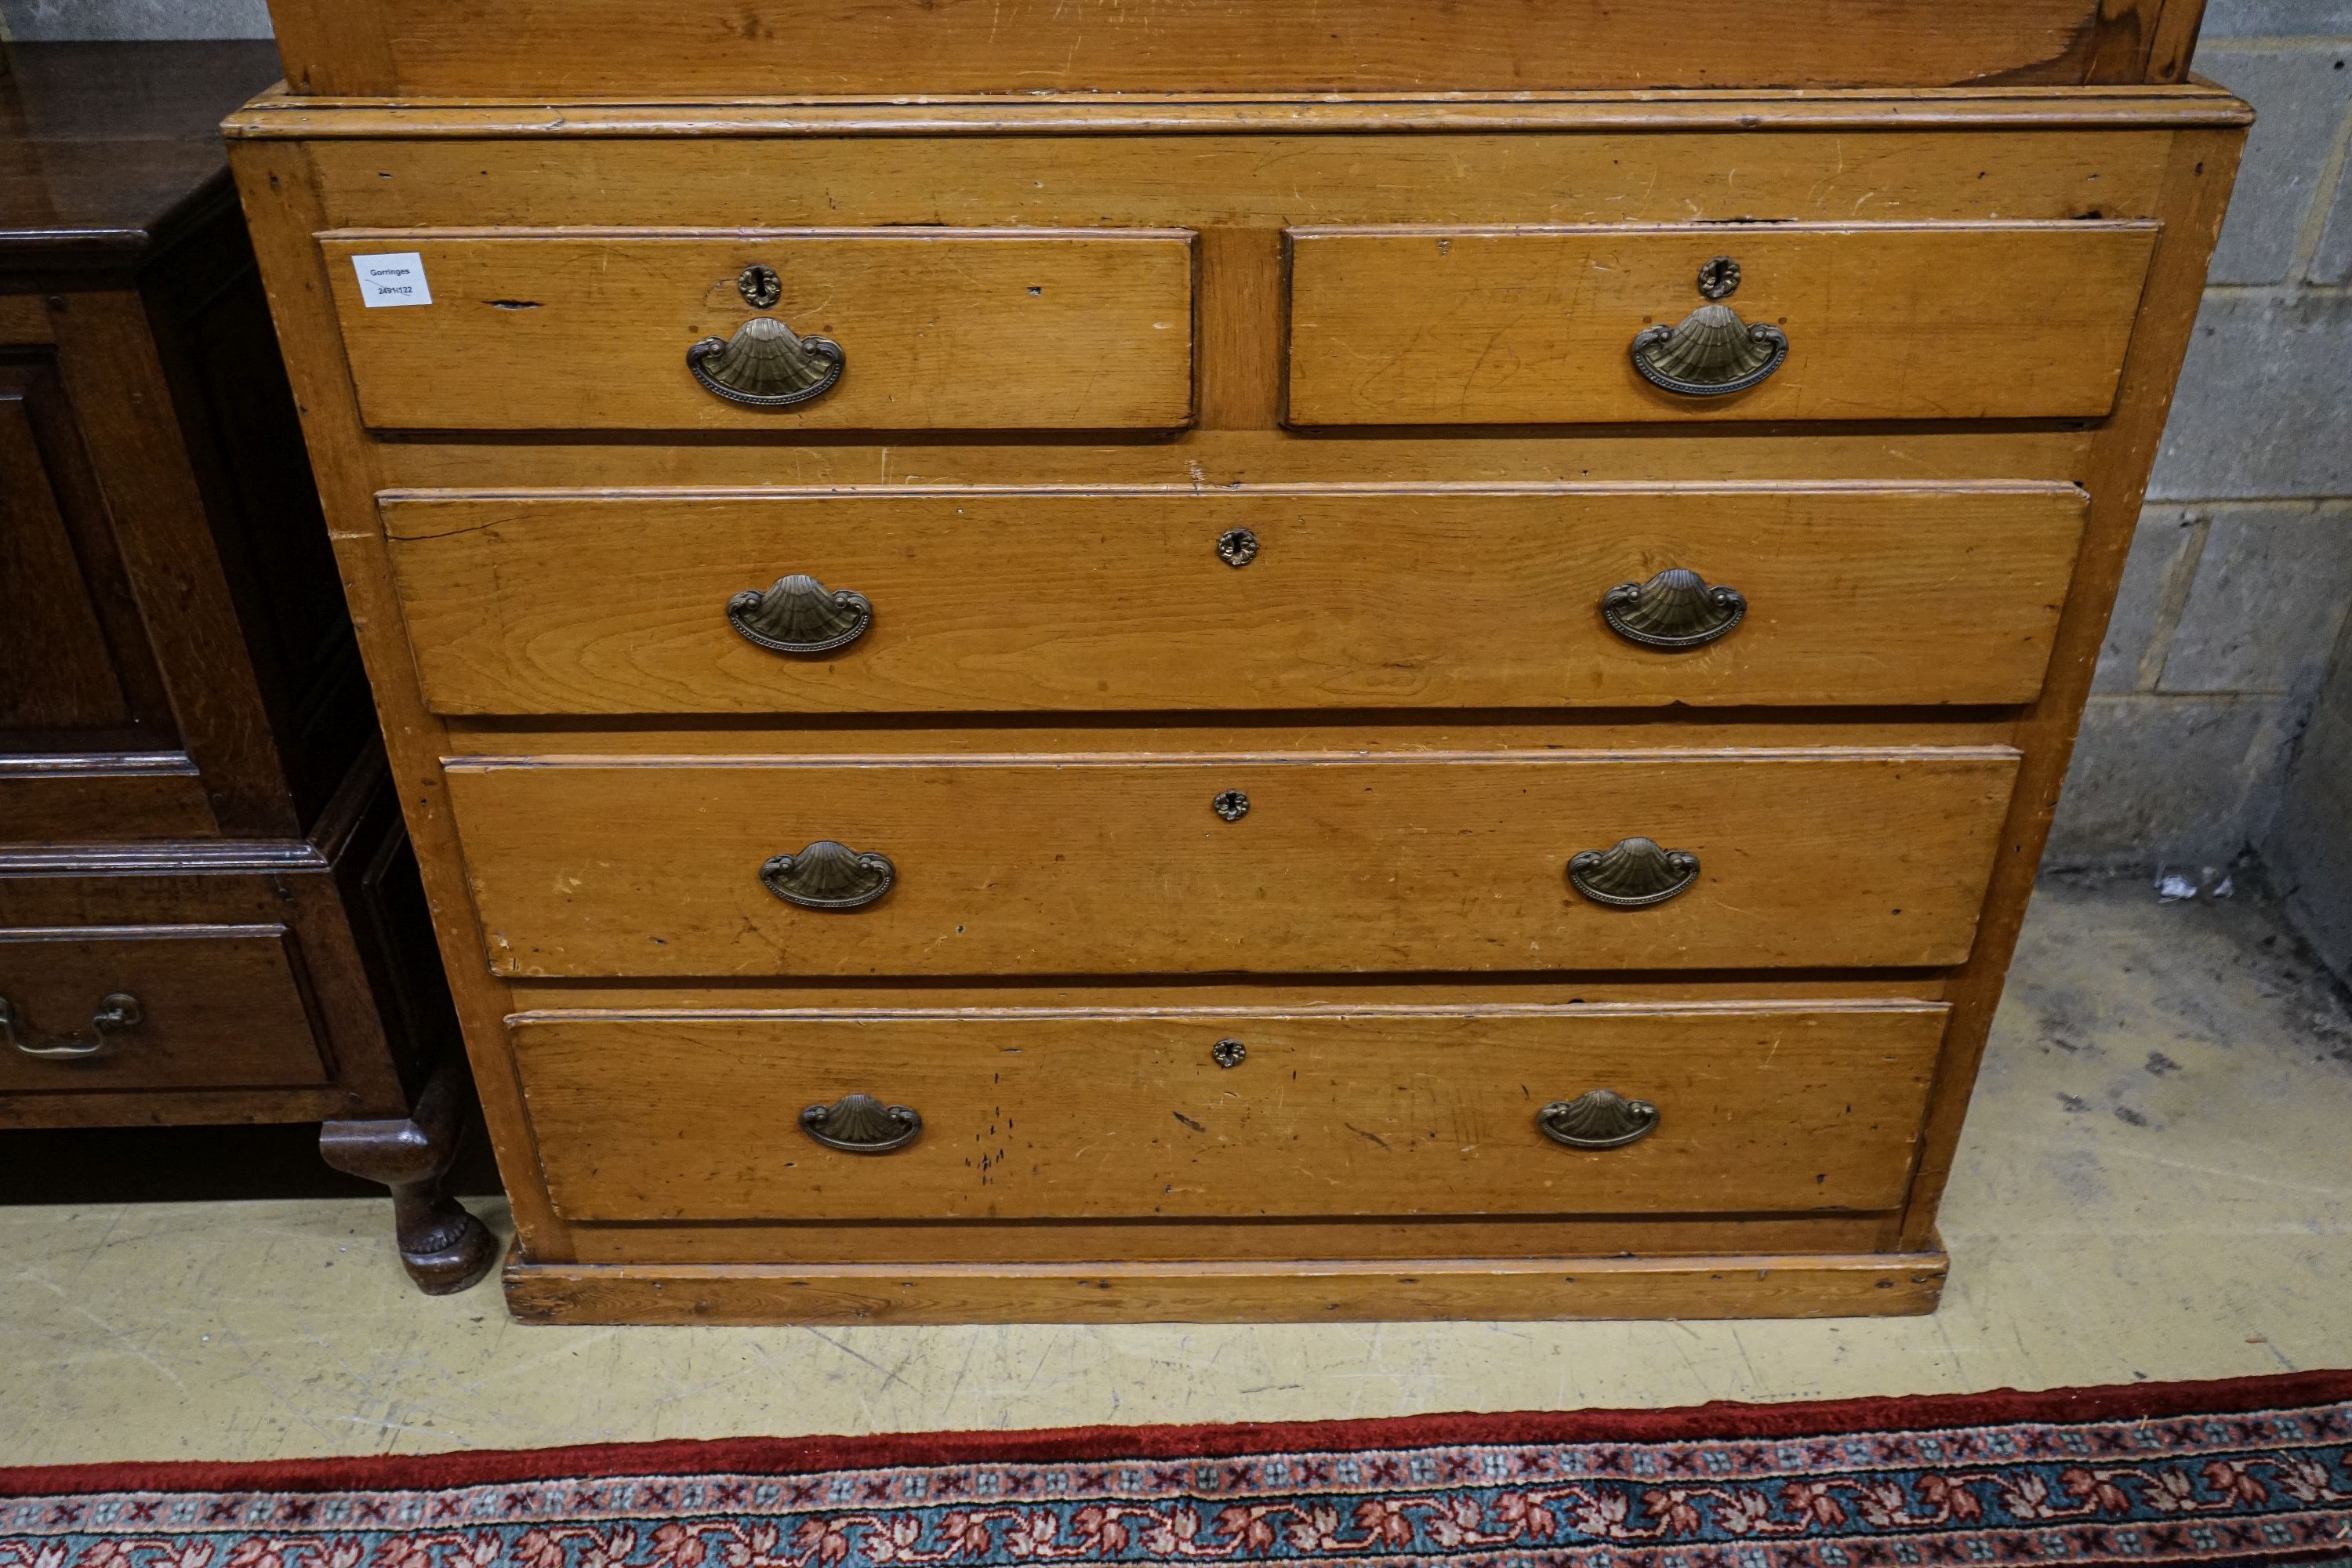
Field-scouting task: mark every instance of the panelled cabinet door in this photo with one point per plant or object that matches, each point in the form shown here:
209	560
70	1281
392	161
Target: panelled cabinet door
86	733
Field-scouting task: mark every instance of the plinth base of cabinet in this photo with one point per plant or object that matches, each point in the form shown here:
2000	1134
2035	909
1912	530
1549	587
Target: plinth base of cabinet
1829	1286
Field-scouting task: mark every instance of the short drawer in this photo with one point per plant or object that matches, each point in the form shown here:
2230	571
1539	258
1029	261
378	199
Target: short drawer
1503	326
888	330
155	1007
1034	1114
947	601
1100	863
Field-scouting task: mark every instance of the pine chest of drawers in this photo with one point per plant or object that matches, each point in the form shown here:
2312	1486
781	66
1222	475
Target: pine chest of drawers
1236	667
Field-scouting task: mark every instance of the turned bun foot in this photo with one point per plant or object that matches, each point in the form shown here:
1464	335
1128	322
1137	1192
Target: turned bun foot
450	1253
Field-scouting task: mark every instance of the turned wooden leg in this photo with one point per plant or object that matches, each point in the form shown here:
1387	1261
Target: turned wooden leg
444	1249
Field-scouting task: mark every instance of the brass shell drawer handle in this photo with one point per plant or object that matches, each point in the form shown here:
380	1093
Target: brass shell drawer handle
117	1012
829	876
1675	609
1598	1118
1631	874
766	364
1711	353
798	616
861	1124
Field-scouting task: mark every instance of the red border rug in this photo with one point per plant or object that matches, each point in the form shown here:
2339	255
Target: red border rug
2254	1470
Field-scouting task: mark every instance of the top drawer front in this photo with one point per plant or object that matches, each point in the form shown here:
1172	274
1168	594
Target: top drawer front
968	330
1434	326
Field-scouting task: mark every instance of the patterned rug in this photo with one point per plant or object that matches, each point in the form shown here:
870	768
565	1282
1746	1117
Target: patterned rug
2255	1470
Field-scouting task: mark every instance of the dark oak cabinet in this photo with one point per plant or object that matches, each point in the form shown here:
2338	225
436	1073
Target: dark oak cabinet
209	911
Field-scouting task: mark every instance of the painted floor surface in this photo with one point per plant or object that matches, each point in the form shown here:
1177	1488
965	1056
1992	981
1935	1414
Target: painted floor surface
2155	1183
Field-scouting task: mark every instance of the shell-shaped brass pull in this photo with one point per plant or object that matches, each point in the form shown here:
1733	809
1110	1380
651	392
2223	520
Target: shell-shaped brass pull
118	1011
1673	609
798	616
766	364
1598	1118
1635	872
1711	354
829	876
861	1124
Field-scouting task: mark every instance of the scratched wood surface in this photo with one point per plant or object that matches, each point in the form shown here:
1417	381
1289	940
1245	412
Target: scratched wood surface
1414	1111
1116	865
591	49
588	835
1443	596
954	331
1424	325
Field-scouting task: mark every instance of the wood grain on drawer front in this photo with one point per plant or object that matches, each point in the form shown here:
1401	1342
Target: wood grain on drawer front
221	1007
616	602
1079	865
1397	1111
1437	326
968	329
706	49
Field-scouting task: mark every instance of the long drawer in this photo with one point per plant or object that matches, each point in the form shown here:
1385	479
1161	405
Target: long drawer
1082	864
1034	1113
154	1007
1628	323
961	600
958	329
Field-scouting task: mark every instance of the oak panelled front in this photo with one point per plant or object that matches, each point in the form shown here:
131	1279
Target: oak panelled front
1448	326
1122	864
218	1007
946	329
1383	1110
989	600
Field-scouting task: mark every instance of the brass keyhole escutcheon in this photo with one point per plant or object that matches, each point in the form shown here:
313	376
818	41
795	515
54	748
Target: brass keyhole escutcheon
1228	1053
759	285
1719	279
1232	804
1237	547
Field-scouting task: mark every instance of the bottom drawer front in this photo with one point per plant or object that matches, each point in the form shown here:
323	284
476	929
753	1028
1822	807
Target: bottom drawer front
1390	1111
208	1008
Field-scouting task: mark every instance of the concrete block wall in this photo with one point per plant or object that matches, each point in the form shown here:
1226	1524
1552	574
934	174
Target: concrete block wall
71	21
2237	587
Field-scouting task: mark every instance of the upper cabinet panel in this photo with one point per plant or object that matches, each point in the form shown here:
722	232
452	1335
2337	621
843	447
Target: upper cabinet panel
469	49
1608	325
810	328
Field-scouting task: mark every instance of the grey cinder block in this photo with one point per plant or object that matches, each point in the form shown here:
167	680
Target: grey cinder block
2167	779
67	21
2299	95
2261	409
2268	599
2156	577
2275	19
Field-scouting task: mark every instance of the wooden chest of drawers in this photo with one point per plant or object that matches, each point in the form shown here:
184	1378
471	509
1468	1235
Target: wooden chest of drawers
1322	679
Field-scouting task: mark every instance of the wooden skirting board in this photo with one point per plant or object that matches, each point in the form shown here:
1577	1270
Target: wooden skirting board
1858	1285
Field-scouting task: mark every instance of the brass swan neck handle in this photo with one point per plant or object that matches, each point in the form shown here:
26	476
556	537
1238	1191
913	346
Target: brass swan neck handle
766	364
1710	353
117	1014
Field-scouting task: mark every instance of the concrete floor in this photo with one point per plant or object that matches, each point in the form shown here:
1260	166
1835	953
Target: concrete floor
2154	1184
